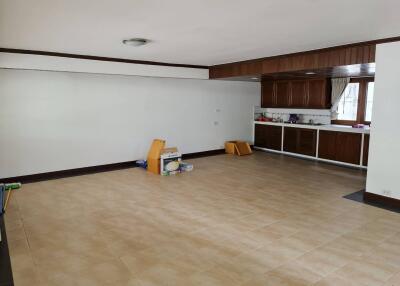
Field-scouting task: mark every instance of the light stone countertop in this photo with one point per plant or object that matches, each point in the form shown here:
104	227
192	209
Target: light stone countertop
329	127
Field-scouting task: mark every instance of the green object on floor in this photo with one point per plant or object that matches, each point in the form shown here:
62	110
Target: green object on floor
12	186
9	187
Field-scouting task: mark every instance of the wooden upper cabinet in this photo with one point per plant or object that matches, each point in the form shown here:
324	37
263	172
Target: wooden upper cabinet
304	93
282	92
318	94
298	94
268	98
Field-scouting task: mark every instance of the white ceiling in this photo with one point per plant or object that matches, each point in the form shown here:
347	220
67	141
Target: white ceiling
203	32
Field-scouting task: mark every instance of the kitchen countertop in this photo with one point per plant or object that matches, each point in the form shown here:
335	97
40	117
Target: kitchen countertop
329	127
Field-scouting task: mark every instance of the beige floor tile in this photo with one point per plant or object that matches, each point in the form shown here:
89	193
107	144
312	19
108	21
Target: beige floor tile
325	260
24	270
394	280
212	277
291	273
367	272
207	227
336	280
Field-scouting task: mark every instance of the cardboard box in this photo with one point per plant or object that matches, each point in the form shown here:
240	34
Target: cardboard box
170	161
153	157
243	148
230	147
237	147
169	150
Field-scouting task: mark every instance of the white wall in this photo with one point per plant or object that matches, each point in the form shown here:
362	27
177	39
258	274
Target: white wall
53	121
48	63
384	154
322	116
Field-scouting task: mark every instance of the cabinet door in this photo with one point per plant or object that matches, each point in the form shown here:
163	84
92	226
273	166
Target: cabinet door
268	136
268	98
318	94
327	145
260	135
307	141
290	139
366	150
298	93
348	147
274	137
282	91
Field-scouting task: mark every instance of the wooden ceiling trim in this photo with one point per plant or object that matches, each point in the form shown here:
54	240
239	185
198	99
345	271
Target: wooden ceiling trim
352	54
307	61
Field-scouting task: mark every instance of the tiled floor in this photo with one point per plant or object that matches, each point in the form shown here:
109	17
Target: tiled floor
257	220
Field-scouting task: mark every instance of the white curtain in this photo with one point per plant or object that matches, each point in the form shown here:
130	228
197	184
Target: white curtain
338	87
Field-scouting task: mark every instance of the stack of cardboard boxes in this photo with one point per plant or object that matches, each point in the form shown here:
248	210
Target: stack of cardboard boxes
165	161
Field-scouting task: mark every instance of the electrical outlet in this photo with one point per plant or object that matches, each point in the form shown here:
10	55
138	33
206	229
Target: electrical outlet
217	110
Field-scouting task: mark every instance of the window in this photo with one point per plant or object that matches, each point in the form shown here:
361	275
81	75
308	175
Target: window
370	99
347	108
355	106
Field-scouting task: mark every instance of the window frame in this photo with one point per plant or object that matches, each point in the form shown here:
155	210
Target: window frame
362	102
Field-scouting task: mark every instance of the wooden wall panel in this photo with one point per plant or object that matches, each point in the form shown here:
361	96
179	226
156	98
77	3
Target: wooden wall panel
270	65
318	59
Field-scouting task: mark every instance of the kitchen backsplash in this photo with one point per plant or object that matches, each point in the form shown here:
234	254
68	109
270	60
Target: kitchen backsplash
305	115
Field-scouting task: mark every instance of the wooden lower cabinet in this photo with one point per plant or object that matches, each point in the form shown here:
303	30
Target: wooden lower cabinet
348	147
290	140
268	136
340	146
327	145
307	142
333	145
365	150
300	141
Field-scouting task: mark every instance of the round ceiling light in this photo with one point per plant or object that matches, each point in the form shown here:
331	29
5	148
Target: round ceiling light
136	42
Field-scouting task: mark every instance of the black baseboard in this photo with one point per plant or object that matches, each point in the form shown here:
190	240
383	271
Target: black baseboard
69	173
381	200
203	154
95	169
375	200
6	278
